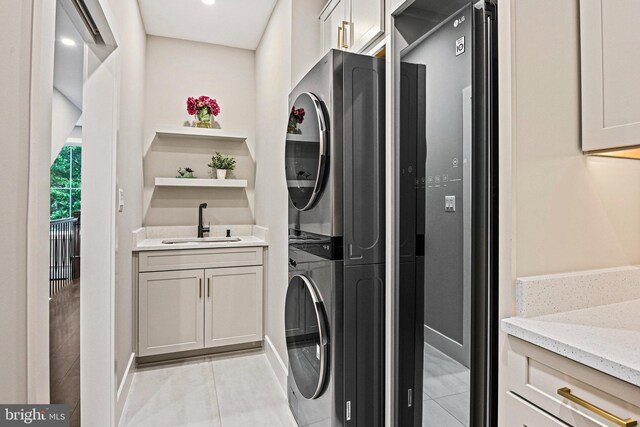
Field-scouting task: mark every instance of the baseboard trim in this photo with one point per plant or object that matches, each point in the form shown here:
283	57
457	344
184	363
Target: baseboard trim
277	364
447	346
125	387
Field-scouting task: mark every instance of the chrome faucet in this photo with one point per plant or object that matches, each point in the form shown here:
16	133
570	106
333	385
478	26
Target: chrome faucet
202	229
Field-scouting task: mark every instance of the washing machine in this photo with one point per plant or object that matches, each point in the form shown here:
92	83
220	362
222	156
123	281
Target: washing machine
312	331
334	311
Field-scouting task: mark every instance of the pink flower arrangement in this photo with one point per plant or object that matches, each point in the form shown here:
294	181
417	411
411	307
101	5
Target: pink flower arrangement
295	118
203	107
297	115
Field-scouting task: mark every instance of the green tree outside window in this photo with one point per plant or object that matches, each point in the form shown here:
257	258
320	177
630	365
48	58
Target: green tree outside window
66	182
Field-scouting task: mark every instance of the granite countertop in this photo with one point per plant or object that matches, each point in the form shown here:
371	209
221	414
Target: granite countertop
605	337
150	238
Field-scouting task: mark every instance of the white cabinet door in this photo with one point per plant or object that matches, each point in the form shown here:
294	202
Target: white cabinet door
520	413
233	306
537	375
610	55
367	23
170	312
334	13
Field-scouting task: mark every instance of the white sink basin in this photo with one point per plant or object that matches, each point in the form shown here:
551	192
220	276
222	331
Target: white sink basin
201	240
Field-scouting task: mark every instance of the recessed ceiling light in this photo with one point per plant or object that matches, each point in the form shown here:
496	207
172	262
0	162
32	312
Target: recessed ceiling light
208	2
68	42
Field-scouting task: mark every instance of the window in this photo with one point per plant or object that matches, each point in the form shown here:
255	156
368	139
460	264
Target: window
66	182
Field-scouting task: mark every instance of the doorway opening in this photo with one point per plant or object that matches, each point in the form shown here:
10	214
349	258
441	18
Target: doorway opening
65	216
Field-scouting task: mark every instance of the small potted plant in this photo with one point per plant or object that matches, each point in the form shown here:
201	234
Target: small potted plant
295	118
222	164
204	109
185	173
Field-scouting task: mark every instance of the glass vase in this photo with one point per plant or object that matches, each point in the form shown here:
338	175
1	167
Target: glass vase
203	120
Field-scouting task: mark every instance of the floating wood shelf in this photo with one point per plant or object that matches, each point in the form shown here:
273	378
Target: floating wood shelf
301	183
203	133
296	137
200	182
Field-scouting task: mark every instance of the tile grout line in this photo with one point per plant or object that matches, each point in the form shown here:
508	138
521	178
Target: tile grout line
215	388
449	412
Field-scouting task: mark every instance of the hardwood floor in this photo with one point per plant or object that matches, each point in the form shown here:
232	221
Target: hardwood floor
64	349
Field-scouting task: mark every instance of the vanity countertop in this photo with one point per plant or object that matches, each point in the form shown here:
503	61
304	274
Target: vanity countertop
605	337
151	238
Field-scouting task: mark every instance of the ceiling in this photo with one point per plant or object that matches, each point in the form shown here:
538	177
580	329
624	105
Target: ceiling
68	73
235	23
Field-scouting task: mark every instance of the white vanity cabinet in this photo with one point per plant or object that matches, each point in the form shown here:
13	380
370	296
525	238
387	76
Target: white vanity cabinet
170	312
521	413
351	24
233	306
610	57
198	299
546	389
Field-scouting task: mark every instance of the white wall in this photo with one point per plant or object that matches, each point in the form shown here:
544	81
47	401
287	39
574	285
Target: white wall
177	69
290	46
130	148
560	211
273	83
306	41
65	115
572	212
15	56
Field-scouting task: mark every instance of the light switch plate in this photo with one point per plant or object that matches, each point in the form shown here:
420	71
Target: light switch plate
120	199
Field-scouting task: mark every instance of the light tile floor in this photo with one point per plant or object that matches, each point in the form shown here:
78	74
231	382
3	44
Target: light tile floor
223	391
241	390
446	391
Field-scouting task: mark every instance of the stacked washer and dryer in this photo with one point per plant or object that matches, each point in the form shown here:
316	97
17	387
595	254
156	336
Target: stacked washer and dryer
334	311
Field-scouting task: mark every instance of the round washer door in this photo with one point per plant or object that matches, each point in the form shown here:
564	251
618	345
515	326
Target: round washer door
306	335
306	151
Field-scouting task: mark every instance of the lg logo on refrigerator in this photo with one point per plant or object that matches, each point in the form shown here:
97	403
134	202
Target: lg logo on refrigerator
460	46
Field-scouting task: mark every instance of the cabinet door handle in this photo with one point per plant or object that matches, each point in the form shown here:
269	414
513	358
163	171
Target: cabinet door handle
208	287
566	393
340	29
200	287
344	35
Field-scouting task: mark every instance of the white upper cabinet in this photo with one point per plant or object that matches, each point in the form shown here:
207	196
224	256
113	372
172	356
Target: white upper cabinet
610	55
367	23
351	24
334	22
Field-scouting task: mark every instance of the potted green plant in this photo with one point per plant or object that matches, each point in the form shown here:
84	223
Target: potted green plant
222	164
185	173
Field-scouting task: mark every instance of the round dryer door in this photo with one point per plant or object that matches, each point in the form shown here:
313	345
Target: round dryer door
305	151
306	334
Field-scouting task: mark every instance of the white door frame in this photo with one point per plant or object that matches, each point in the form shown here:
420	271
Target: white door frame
41	97
97	313
98	237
